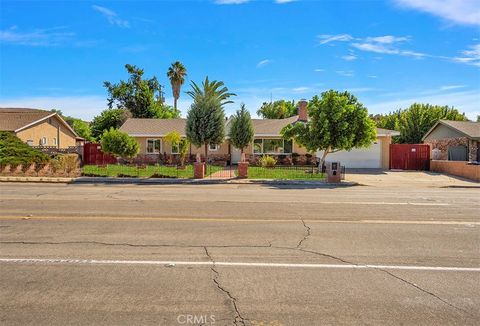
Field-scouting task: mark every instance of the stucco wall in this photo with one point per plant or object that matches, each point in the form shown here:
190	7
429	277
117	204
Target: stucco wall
442	131
50	128
458	168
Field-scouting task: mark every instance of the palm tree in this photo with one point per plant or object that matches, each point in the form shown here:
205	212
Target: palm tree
211	90
176	73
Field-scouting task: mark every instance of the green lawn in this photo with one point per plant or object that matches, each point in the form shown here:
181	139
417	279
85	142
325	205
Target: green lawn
284	173
114	170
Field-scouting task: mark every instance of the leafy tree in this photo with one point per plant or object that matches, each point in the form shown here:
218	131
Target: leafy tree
478	118
174	139
241	129
176	73
109	118
118	143
277	110
338	121
205	122
215	90
142	97
415	122
82	129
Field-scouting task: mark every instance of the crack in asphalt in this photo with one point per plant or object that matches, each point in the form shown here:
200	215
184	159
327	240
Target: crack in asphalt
239	319
133	244
307	234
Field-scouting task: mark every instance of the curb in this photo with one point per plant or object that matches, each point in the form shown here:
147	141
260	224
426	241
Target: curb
172	181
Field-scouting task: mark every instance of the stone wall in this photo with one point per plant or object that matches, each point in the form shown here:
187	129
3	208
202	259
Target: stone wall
458	168
442	145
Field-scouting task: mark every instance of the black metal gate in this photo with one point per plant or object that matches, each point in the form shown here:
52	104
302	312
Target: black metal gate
220	171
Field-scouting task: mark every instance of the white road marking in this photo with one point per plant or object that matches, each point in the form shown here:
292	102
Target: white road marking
229	264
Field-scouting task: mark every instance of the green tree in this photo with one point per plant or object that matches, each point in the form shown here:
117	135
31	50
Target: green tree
142	97
277	110
215	90
205	123
338	121
174	139
415	121
118	143
241	129
82	129
478	118
176	73
109	118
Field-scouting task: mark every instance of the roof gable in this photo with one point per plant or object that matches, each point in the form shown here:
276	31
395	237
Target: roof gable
466	128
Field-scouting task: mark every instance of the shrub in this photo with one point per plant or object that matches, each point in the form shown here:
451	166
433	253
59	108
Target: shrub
66	163
15	152
119	143
268	161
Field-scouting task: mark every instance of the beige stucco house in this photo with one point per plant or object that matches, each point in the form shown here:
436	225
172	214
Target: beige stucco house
150	134
38	127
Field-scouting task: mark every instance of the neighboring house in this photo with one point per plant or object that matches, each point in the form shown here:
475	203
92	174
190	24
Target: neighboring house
38	127
377	156
150	134
454	140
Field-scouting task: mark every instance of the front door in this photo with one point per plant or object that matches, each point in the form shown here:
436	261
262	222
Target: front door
236	155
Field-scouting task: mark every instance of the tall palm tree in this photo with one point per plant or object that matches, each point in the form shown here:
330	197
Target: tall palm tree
176	73
212	90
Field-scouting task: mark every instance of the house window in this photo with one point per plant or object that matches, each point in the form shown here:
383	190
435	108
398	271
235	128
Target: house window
153	146
213	147
272	146
43	141
175	148
30	142
55	141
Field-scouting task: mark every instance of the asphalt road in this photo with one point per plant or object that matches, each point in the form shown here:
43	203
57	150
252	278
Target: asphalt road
238	255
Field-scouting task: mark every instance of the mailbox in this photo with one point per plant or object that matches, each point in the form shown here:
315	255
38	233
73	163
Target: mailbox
334	172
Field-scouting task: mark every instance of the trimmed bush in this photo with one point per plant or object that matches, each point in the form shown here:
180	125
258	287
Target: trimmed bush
15	152
268	161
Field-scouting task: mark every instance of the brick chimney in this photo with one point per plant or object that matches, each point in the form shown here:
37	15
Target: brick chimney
302	110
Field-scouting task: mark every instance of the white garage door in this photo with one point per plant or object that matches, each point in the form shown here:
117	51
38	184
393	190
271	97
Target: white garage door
359	158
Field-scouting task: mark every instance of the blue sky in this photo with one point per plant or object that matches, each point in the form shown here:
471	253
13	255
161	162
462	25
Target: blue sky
56	54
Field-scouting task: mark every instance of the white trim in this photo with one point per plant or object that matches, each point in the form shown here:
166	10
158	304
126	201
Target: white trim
45	118
217	147
44	141
153	153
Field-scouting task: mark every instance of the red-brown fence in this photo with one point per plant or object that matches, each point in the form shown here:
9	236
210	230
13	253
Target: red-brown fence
93	155
409	156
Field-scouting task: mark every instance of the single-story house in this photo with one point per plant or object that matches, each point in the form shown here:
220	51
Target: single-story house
38	127
150	134
454	140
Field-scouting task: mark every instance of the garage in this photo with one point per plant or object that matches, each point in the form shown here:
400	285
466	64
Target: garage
359	158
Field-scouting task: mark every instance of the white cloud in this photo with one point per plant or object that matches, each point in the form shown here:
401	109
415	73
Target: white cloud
450	87
324	38
111	16
302	89
230	2
470	56
466	101
38	37
284	1
371	76
387	39
458	11
348	73
319	70
349	57
263	63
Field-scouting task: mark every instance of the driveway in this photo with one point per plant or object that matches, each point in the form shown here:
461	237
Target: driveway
408	179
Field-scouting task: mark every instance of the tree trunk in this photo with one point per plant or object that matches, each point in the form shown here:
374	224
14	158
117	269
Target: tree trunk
206	152
175	102
322	159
